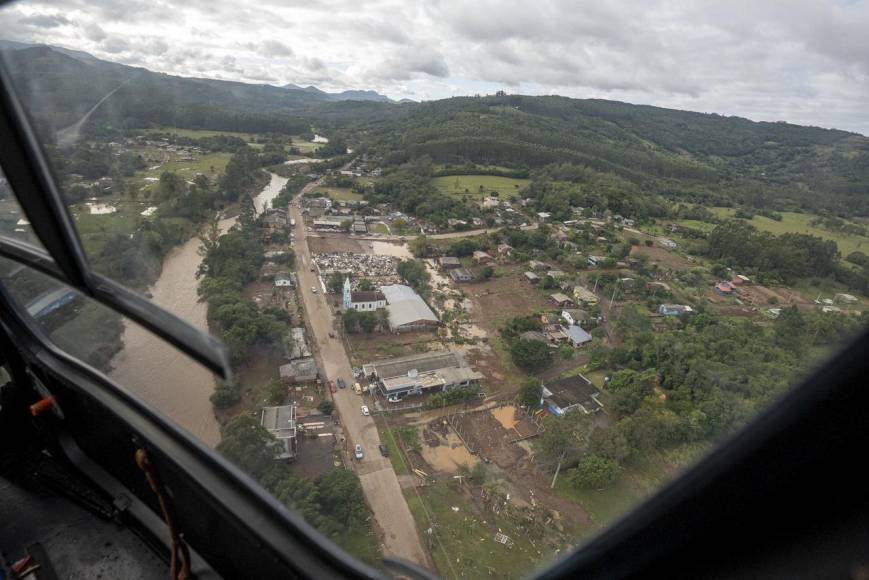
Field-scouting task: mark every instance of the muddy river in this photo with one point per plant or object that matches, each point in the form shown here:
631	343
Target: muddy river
161	375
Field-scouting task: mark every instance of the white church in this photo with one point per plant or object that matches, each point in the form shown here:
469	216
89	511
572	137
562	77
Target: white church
362	300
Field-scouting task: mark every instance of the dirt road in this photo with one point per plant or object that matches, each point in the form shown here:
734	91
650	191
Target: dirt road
379	482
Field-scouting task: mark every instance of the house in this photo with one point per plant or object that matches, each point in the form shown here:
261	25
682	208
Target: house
490	202
543	216
362	300
724	289
504	249
533	335
595	260
667	243
556	274
285	280
742	279
274	219
281	423
561	300
295	344
674	309
481	257
576	335
532	277
418	373
461	275
406	310
449	262
584	295
845	298
555	334
359	227
574	393
574	316
301	370
538	266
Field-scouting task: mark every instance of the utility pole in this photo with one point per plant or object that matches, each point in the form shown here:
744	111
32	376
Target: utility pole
557	469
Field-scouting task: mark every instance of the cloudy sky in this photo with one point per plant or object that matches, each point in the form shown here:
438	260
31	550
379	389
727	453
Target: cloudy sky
803	61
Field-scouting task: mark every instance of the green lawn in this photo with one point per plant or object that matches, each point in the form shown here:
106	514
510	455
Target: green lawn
799	223
339	193
303	145
94	229
378	228
390	439
200	133
462	542
457	184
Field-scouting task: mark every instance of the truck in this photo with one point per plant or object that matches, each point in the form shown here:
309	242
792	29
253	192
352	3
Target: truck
292	222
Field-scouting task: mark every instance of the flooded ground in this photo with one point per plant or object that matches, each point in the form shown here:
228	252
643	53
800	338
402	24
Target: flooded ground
391	249
269	192
506	416
449	454
170	381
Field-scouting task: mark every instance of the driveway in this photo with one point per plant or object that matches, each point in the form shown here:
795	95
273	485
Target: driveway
379	482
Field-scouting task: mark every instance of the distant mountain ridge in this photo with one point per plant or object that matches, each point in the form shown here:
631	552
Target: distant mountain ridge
351	95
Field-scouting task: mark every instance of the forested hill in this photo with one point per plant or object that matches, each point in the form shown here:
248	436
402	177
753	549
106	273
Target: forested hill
59	89
705	157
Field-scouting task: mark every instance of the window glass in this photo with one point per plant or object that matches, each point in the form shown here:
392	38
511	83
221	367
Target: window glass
13	222
474	329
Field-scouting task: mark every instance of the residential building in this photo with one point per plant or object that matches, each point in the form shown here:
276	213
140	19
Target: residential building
504	250
576	335
584	296
674	309
561	300
845	298
533	335
724	289
285	280
574	393
556	274
301	370
481	257
532	277
461	275
538	266
667	243
281	423
407	311
359	227
543	216
575	316
449	262
296	345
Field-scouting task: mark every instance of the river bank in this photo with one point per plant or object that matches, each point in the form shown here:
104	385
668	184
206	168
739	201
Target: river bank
165	378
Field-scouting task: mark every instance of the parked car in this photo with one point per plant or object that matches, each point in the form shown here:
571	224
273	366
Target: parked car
331	334
384	450
314	289
358	453
358	388
332	387
341	383
365	410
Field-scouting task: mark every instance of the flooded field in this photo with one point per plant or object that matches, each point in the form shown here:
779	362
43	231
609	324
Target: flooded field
449	454
506	416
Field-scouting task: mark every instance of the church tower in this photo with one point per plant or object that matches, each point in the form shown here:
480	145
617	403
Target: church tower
347	304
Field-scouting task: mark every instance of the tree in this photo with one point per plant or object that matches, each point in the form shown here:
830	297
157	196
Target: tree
247	444
531	355
366	285
247	212
487	272
790	329
335	282
326	407
593	472
422	247
629	388
171	186
531	394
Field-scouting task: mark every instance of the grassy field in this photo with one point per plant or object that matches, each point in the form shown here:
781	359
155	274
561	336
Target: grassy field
303	145
462	540
339	193
799	223
94	229
200	133
479	185
378	228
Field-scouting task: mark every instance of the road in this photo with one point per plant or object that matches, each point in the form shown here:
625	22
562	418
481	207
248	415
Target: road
379	482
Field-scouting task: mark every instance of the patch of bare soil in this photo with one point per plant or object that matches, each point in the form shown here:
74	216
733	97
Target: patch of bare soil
664	258
327	243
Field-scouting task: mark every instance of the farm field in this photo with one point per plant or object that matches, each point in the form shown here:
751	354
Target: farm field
799	223
339	193
479	185
303	145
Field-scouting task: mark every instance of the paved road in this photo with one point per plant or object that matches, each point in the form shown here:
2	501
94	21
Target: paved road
379	482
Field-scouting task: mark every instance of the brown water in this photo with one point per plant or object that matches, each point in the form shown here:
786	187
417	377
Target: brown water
506	416
448	457
173	383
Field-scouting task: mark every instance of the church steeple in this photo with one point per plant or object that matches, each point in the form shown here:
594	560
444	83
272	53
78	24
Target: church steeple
346	302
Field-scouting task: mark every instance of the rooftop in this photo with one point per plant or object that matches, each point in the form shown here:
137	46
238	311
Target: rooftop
572	391
279	421
423	362
367	296
405	306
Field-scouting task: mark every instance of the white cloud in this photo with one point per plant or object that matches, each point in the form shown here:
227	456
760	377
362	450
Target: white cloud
804	61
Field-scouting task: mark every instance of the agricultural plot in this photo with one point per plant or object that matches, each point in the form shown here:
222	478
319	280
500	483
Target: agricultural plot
798	223
479	185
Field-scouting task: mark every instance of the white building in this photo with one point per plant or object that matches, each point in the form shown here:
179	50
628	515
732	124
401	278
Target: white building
362	300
